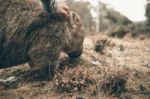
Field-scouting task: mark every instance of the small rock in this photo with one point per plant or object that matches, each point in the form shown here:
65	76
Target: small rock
75	89
95	63
10	82
10	79
145	63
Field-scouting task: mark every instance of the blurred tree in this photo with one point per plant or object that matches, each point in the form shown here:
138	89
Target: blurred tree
147	14
110	17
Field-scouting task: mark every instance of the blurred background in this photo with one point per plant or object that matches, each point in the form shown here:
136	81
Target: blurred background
114	17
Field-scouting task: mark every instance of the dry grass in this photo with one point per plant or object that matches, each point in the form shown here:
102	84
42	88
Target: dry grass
110	80
119	75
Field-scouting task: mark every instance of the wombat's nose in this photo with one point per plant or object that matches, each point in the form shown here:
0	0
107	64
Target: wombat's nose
75	54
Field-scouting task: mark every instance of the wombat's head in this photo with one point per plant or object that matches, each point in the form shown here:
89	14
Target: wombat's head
77	34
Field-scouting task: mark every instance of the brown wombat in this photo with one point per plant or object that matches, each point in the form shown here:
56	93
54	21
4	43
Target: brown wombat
28	33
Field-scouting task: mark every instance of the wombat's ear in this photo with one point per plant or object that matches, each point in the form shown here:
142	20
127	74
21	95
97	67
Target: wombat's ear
45	5
75	17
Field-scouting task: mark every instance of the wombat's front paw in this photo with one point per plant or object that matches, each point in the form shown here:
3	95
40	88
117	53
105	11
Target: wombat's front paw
44	72
50	73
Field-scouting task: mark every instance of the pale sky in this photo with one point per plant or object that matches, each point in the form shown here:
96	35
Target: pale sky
133	9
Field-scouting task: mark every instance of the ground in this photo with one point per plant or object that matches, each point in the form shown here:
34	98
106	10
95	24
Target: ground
120	71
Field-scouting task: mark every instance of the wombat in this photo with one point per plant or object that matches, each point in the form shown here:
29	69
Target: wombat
30	34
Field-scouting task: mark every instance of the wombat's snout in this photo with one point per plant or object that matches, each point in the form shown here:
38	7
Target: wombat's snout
75	54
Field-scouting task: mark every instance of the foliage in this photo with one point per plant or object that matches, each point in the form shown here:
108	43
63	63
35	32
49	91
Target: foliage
147	14
110	17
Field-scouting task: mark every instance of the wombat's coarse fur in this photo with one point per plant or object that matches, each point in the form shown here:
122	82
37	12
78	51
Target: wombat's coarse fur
28	33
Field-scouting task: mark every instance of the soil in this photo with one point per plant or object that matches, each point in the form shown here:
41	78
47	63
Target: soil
79	79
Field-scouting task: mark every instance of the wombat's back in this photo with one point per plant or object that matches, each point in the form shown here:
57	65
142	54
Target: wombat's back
24	25
15	17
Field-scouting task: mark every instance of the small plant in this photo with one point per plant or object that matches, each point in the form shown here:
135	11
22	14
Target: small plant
101	43
113	84
73	80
